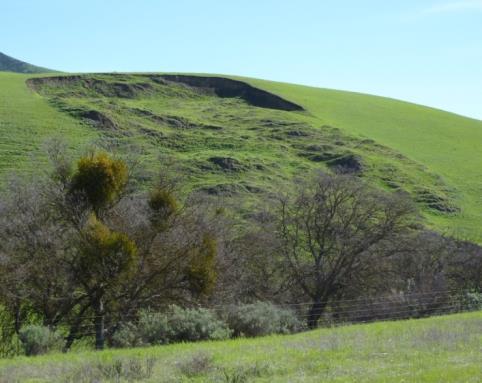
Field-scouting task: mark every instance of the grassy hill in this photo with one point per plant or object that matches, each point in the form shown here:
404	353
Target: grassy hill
241	141
27	121
10	64
439	349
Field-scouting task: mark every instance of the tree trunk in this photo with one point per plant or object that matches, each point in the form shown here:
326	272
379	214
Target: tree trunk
71	337
314	314
18	320
74	330
99	324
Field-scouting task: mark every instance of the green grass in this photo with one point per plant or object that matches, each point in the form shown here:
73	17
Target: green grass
446	143
438	349
430	153
27	121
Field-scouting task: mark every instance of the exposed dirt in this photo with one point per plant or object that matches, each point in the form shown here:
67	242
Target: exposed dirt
347	164
227	164
297	133
435	201
225	190
320	156
105	88
37	83
224	87
152	134
99	119
173	121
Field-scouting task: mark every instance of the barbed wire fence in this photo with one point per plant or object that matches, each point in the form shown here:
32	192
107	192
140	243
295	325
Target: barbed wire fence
335	313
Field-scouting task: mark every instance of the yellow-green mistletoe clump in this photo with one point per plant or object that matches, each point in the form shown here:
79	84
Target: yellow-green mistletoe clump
101	178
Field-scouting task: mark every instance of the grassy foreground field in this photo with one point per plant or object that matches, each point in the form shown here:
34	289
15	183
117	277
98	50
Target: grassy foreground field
232	149
439	349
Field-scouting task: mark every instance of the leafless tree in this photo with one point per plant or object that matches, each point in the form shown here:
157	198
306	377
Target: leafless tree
328	230
76	265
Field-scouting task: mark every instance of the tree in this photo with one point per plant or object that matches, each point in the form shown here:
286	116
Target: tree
328	230
465	265
34	242
79	249
106	258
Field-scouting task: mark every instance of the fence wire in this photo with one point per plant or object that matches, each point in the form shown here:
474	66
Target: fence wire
336	313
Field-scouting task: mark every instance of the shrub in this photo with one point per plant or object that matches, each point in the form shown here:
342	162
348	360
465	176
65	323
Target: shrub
242	374
196	324
197	364
472	301
127	336
261	318
38	340
151	329
174	325
129	369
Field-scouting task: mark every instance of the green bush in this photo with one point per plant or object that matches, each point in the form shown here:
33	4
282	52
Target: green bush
196	324
174	325
261	318
472	301
151	329
38	340
127	335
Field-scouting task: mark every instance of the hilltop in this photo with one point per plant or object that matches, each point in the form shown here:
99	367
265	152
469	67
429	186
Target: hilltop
241	138
10	64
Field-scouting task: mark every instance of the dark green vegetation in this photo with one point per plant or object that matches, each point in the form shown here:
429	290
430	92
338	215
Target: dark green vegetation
10	64
441	349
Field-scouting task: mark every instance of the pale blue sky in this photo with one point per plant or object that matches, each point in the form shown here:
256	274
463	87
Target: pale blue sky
424	51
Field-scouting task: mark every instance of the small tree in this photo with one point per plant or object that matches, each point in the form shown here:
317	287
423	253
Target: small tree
77	249
330	227
106	259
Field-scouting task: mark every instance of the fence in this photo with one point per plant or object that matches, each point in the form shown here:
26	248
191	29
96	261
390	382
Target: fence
338	312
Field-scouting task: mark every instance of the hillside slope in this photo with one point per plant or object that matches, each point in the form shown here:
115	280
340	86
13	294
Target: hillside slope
439	349
445	143
27	121
241	142
10	64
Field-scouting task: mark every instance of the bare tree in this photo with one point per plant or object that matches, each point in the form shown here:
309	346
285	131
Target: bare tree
465	265
34	243
329	229
77	250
